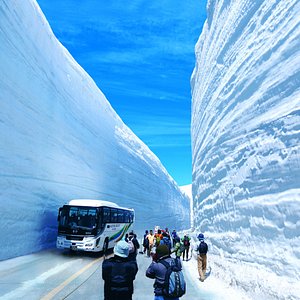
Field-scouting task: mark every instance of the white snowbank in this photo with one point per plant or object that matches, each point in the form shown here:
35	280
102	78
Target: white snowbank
246	144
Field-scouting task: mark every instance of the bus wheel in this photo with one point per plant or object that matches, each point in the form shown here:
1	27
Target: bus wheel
105	246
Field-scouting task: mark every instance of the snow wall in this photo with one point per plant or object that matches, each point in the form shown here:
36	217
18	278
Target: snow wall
246	143
61	139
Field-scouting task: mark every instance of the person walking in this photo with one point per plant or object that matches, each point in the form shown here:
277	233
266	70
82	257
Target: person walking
168	232
158	270
178	248
145	242
134	245
186	243
202	249
118	274
151	240
158	237
174	236
166	240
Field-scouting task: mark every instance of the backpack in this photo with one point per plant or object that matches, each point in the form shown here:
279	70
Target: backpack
131	246
186	242
202	248
119	279
181	247
174	283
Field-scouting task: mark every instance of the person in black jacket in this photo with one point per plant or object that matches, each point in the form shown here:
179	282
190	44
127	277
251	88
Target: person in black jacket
132	238
118	274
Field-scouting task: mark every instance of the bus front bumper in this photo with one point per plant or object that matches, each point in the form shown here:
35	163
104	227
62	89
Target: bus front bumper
84	245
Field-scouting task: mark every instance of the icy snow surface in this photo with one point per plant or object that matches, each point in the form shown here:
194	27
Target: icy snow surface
246	142
187	189
61	139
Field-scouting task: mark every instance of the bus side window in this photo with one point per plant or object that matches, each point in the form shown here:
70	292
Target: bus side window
120	216
114	215
127	217
106	215
131	216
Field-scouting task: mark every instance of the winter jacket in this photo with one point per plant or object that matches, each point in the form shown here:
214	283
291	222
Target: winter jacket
188	241
118	274
146	241
158	271
202	248
150	238
178	249
166	241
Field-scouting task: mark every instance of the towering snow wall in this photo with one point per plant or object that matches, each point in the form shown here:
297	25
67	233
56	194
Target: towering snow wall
246	142
60	140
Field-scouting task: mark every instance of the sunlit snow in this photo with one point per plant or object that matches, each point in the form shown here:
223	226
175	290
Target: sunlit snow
61	140
246	144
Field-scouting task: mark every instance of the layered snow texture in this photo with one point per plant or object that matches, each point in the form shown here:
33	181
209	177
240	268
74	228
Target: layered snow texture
61	139
246	143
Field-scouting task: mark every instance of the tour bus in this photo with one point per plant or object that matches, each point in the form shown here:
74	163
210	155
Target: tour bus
92	225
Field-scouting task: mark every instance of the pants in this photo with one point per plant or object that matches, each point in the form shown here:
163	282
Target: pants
149	250
174	243
164	298
186	252
202	260
118	296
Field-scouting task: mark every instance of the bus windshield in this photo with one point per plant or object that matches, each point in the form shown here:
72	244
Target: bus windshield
78	217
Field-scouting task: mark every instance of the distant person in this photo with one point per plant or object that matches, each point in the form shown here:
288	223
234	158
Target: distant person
178	248
168	232
186	244
151	240
145	242
202	249
134	245
166	240
158	237
162	270
174	235
118	274
126	237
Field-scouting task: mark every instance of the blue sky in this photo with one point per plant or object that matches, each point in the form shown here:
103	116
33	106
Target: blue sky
141	55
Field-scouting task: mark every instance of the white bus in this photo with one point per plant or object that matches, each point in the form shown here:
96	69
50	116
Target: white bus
92	225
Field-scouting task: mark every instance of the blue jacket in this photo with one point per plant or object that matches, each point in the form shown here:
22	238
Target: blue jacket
158	271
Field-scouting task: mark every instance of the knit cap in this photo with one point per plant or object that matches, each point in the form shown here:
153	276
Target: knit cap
162	250
121	249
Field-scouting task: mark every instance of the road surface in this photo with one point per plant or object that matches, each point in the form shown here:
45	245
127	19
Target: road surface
61	275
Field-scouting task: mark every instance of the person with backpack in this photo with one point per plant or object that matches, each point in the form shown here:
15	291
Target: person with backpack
158	237
178	248
118	274
202	249
166	240
167	271
186	243
134	245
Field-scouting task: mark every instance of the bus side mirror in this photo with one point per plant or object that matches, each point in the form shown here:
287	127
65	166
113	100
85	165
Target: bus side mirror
58	216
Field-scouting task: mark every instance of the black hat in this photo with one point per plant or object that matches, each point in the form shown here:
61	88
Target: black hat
162	250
